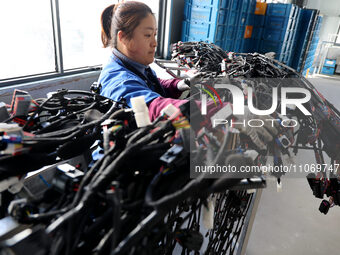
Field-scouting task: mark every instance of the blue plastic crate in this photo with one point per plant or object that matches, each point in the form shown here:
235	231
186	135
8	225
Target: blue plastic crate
219	43
216	3
238	45
235	5
222	16
246	18
232	19
276	34
185	31
284	10
273	46
315	39
304	30
330	62
284	58
201	32
257	33
328	70
309	62
259	20
250	45
230	32
313	46
240	32
219	36
224	3
228	45
201	14
219	3
246	45
276	22
248	6
310	59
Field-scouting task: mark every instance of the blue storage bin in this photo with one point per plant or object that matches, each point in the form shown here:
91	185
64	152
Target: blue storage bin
315	39
232	19
276	34
228	45
222	16
240	32
313	46
234	5
330	62
248	6
284	10
185	31
259	20
205	2
224	3
250	45
301	39
201	14
219	33
328	70
257	33
201	31
284	58
276	22
273	46
220	43
230	32
238	45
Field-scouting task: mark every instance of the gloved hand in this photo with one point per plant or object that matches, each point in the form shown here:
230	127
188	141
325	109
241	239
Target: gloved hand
187	82
261	134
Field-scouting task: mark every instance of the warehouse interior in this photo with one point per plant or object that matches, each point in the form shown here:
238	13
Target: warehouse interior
50	48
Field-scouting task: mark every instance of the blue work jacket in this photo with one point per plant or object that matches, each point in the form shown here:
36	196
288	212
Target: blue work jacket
118	82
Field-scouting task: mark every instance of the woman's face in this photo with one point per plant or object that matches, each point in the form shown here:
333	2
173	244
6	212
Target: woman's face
142	46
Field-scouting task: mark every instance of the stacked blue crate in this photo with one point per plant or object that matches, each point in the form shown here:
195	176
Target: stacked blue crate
301	41
313	46
329	67
204	20
250	27
232	13
279	31
246	19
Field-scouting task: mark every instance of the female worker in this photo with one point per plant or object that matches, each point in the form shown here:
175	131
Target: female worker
130	29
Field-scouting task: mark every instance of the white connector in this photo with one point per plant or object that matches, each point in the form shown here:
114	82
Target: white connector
208	214
141	111
171	111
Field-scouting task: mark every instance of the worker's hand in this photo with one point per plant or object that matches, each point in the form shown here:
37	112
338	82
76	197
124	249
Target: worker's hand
264	132
187	82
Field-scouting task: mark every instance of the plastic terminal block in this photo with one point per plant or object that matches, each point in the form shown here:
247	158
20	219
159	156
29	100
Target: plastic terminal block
171	111
141	111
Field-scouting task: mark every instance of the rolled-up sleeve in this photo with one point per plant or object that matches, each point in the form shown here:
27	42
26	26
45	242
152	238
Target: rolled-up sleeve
170	87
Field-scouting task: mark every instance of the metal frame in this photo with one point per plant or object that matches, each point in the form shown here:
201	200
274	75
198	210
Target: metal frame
249	221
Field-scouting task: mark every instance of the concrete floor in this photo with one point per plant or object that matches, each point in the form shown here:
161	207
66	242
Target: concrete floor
289	222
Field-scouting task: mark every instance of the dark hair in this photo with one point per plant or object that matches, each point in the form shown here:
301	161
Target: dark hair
121	17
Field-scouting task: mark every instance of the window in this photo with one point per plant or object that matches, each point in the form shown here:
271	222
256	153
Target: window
80	32
26	45
44	38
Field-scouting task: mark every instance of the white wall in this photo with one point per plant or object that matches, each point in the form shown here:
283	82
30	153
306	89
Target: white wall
326	7
330	25
330	10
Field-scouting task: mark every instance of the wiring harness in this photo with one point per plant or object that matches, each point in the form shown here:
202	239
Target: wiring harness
135	194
